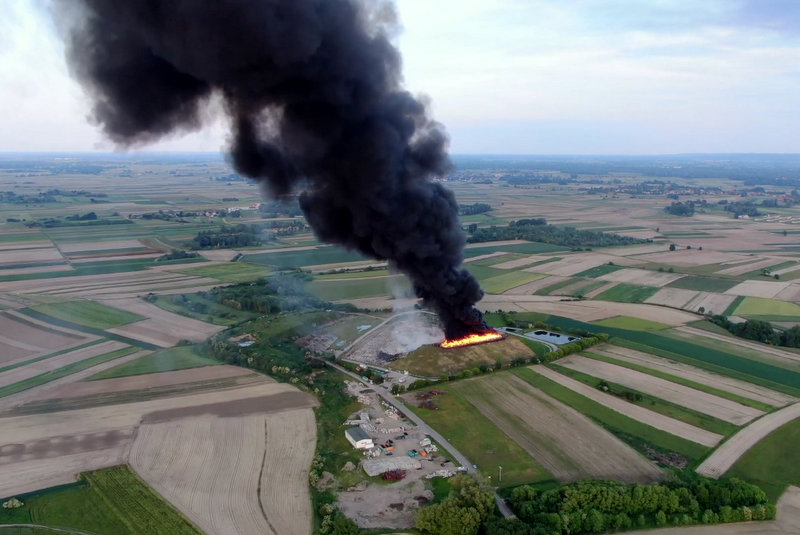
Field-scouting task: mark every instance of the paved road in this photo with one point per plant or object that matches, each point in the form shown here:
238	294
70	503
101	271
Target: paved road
399	405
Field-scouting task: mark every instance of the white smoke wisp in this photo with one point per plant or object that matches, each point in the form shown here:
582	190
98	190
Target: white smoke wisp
413	328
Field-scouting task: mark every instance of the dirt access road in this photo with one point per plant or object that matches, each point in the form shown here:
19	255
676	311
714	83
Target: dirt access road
726	455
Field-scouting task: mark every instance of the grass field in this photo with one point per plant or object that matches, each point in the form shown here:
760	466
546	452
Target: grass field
682	381
351	327
308	257
627	293
712	359
228	272
113	500
629	430
481	441
88	313
598	271
500	283
703	284
354	274
64	371
202	308
634	324
499	259
352	288
433	361
655	404
761	308
174	358
774	463
547	290
522	247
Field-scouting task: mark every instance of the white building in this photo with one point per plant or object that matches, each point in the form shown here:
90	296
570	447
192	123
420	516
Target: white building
358	438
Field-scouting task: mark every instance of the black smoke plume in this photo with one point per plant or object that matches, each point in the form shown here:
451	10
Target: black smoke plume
314	94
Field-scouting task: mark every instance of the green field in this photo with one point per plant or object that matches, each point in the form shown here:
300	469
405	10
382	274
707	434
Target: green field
227	272
681	381
309	257
351	327
634	324
655	404
598	271
627	293
547	290
174	358
480	440
88	313
334	290
703	284
64	371
774	463
522	247
499	259
761	308
109	501
203	308
361	274
631	431
501	283
710	358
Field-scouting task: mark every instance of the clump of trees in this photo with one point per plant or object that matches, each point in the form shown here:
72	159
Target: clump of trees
241	235
463	512
742	208
594	506
474	208
176	254
538	230
761	331
683	209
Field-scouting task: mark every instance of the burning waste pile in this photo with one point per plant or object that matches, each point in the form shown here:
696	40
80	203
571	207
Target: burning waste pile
313	93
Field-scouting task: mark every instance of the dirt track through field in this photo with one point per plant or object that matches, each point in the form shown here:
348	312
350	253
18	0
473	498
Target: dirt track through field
697	375
238	475
285	498
651	418
715	406
726	455
568	444
208	468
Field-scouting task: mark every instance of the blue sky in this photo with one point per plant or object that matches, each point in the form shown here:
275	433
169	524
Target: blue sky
513	76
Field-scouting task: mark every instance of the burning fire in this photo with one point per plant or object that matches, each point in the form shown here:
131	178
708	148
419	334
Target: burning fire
472	339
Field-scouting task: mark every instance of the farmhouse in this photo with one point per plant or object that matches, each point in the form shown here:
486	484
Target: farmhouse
358	438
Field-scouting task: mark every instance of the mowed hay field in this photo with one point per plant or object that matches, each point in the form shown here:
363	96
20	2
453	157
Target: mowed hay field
703	402
566	443
212	469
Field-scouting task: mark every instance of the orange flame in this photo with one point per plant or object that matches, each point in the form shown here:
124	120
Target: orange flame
472	339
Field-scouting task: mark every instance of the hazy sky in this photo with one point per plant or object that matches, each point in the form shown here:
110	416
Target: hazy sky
512	76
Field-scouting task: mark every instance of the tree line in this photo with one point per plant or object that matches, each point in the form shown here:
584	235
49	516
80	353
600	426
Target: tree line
538	230
760	331
596	506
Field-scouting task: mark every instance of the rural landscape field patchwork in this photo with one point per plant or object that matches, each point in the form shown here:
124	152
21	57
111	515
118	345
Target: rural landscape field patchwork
177	351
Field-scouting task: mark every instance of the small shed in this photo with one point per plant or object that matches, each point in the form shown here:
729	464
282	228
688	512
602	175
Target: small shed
358	438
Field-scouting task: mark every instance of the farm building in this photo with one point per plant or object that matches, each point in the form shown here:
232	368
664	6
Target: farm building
358	438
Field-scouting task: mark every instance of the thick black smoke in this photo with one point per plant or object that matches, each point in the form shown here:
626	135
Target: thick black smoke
313	91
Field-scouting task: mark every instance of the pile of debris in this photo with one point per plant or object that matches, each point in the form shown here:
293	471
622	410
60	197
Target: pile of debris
425	399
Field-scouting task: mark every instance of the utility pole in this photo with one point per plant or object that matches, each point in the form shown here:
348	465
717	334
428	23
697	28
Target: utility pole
500	479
